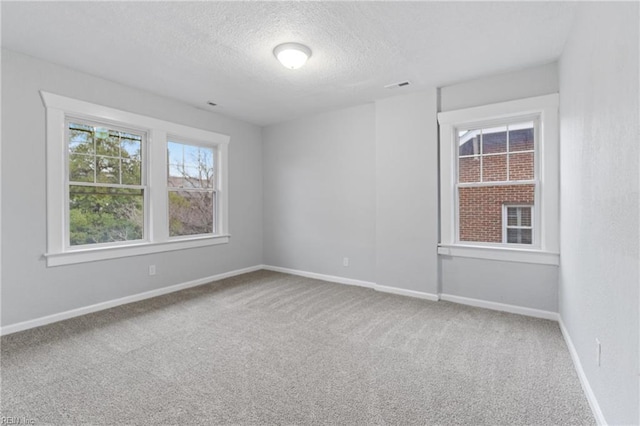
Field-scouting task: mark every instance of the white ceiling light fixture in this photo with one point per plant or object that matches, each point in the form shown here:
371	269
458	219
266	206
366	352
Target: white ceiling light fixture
292	55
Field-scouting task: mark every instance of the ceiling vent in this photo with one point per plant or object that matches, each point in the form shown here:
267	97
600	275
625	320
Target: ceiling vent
396	85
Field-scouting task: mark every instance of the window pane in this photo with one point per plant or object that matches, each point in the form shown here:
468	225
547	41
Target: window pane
107	170
80	139
519	236
521	137
469	142
480	210
107	142
494	140
130	146
81	168
119	159
131	171
494	168
513	236
175	153
525	216
190	212
521	166
104	215
512	216
190	166
469	169
526	236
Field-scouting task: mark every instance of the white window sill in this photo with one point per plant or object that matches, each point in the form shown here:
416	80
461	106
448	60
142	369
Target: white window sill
104	253
500	253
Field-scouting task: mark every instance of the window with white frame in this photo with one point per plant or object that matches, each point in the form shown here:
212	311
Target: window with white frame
499	181
122	184
191	189
517	224
106	187
495	166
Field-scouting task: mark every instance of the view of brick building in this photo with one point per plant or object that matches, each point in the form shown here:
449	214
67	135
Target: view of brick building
501	155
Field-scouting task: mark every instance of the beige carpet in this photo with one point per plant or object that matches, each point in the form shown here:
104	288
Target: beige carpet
270	348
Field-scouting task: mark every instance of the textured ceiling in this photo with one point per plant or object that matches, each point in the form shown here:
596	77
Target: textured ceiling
222	51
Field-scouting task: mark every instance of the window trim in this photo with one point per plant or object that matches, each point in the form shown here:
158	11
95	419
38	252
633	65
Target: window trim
547	188
58	109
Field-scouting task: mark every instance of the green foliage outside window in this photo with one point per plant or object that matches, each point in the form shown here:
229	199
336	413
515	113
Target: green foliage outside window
97	213
106	198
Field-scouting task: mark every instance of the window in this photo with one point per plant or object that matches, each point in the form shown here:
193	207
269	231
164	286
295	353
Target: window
496	166
499	181
122	184
517	224
105	188
191	190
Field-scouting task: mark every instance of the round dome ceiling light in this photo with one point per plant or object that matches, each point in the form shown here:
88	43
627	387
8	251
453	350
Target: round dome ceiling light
292	55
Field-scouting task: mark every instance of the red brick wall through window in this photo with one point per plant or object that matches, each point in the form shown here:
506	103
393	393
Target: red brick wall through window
480	208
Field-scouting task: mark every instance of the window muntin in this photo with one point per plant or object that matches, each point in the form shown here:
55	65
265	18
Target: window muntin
191	186
517	224
495	166
105	188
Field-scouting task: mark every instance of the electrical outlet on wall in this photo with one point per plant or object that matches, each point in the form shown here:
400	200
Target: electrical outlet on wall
152	269
345	261
598	352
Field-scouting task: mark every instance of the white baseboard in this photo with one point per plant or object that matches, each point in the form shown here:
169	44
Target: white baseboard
586	387
350	281
25	325
514	309
323	277
404	292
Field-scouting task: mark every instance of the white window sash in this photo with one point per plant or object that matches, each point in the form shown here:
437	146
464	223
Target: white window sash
68	183
535	181
214	190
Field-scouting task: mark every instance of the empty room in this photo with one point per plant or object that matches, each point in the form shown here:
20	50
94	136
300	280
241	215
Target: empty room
324	212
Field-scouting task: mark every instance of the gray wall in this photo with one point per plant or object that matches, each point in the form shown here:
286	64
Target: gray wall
514	283
31	290
521	284
407	192
360	183
599	272
319	193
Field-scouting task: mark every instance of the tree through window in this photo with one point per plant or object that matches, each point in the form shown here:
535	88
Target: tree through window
124	184
105	190
191	189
